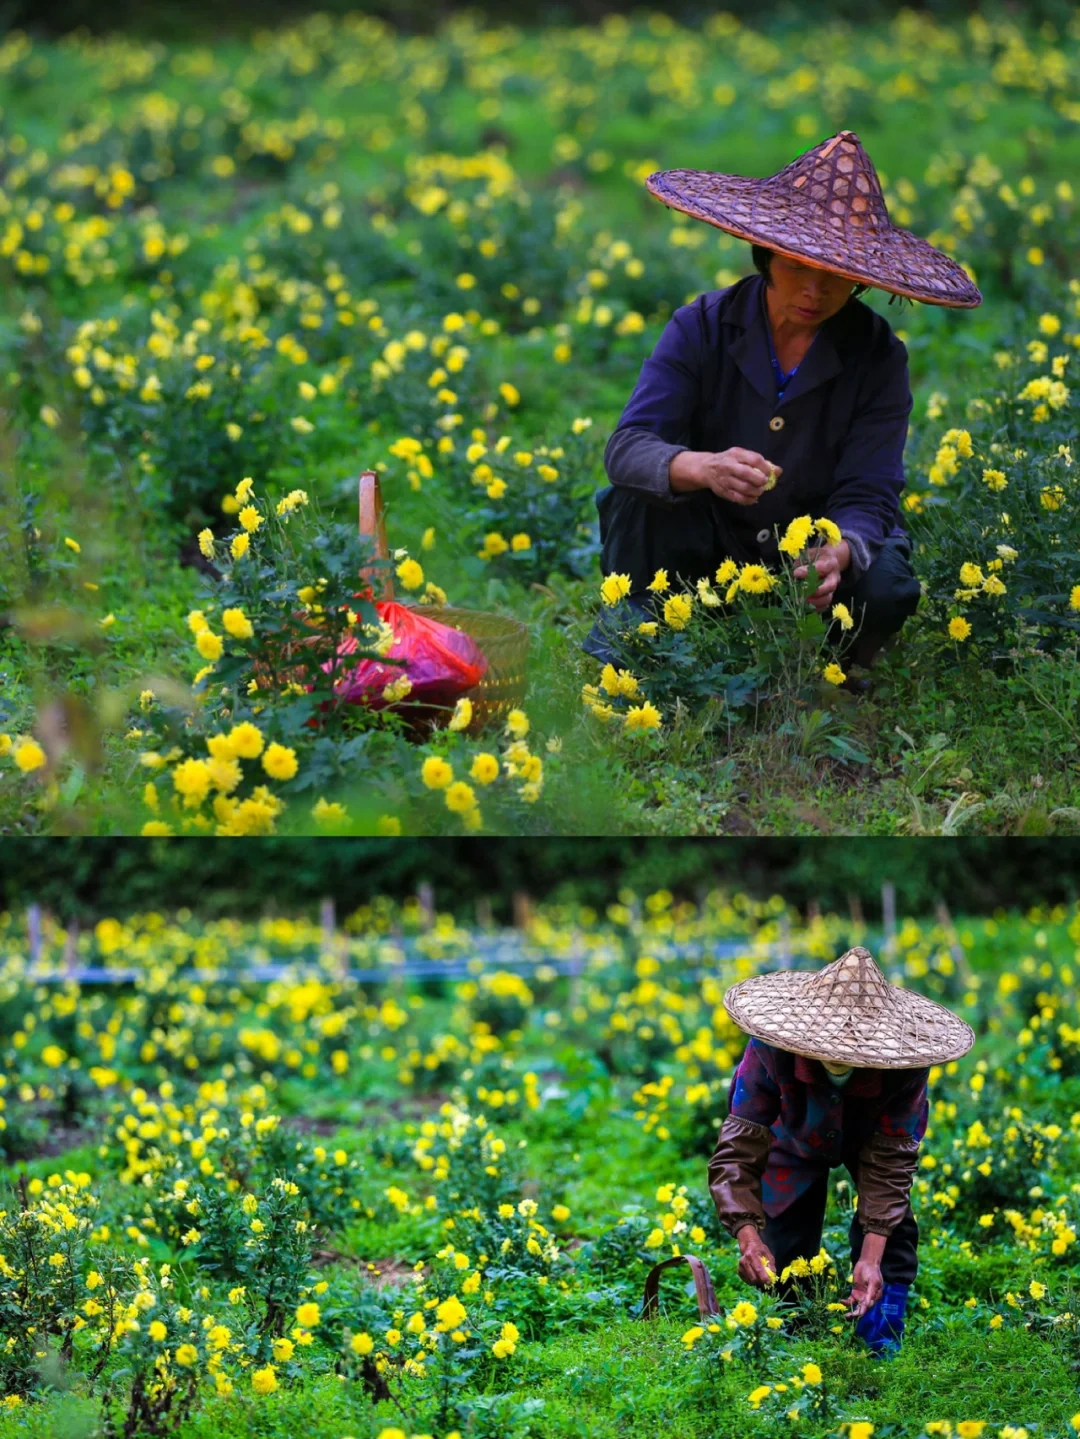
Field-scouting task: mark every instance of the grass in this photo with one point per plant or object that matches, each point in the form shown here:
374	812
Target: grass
626	1380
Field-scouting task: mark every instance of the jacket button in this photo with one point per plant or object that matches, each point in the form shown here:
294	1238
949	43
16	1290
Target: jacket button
777	422
762	536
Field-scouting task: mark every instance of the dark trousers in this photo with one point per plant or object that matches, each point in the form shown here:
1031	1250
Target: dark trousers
689	541
796	1234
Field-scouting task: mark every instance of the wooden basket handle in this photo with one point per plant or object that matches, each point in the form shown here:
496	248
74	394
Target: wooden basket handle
373	526
706	1298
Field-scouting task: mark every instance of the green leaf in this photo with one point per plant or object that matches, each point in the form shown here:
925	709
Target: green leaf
73	784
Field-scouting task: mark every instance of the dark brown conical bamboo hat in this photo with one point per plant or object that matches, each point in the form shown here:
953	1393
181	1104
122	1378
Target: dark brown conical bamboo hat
848	1013
826	209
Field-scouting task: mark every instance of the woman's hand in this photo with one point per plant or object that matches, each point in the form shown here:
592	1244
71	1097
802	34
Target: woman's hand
831	561
756	1264
867	1285
737	475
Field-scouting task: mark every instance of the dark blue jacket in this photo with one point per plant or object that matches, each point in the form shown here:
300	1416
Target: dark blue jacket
838	432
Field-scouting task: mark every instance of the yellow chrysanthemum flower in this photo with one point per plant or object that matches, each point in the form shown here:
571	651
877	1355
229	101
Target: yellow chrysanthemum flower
959	628
614	588
677	611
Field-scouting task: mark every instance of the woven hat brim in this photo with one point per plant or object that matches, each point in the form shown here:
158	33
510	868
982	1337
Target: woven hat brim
908	1032
899	252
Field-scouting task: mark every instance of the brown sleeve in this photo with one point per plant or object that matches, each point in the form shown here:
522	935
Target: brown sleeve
735	1170
886	1169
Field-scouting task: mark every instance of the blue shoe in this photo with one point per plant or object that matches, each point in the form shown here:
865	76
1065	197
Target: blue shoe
882	1327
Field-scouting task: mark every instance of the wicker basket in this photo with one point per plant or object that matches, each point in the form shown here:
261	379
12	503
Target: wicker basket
505	645
504	642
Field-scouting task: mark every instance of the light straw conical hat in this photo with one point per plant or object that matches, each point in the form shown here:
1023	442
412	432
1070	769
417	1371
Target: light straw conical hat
848	1013
826	209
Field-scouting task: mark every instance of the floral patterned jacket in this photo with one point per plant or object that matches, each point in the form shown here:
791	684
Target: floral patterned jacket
788	1123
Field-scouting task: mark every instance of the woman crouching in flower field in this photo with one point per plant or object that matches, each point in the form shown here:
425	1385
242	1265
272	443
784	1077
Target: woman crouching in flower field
835	1073
779	395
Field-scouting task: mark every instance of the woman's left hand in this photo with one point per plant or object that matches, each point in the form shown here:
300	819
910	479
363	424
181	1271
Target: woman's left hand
831	561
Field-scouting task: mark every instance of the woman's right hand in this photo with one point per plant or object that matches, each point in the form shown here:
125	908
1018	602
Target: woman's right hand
756	1264
736	474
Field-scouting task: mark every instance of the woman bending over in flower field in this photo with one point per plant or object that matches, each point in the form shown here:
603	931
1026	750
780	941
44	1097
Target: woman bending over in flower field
778	396
835	1073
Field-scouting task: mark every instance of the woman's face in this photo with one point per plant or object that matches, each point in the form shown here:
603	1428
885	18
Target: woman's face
803	294
836	1068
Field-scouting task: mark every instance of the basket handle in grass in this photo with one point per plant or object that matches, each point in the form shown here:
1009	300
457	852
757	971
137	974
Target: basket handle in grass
373	526
706	1298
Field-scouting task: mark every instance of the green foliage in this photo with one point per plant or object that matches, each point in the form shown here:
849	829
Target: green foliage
269	1265
746	642
1001	538
42	1254
154	1397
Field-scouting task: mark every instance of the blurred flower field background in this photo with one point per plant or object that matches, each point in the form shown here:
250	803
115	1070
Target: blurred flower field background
405	1175
238	272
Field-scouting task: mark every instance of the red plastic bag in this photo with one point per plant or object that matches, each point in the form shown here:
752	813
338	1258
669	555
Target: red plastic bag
442	663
